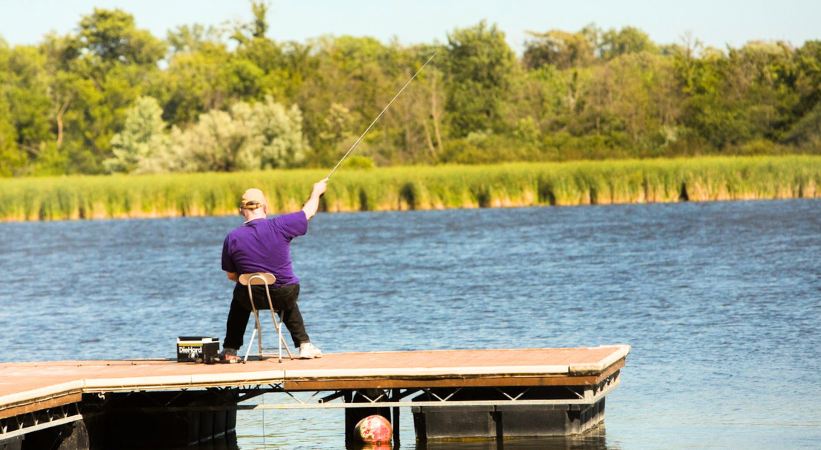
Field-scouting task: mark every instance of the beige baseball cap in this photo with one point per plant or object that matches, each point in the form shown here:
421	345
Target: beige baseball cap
252	199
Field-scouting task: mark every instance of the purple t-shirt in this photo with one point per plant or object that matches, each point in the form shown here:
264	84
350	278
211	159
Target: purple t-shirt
264	245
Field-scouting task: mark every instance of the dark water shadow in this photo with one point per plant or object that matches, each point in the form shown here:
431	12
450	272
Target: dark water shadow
594	439
227	442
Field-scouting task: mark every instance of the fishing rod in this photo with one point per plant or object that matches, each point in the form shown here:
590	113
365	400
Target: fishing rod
359	139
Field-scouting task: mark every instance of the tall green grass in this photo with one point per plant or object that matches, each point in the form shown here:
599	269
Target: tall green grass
412	187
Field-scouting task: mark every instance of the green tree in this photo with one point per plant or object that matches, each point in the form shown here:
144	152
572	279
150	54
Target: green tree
560	49
417	122
480	68
11	158
745	95
358	74
143	144
112	37
808	76
279	130
633	101
255	29
101	70
26	90
250	137
806	131
627	40
191	38
67	104
546	98
336	130
193	83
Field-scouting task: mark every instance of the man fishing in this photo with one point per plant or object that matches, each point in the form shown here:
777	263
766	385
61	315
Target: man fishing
263	245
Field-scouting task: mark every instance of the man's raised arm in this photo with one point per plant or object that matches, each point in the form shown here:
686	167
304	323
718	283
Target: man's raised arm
312	205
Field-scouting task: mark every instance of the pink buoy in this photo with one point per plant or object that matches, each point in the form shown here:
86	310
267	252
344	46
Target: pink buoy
374	429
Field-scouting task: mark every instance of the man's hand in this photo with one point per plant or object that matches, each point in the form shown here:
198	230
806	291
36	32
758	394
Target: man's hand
312	205
232	276
320	187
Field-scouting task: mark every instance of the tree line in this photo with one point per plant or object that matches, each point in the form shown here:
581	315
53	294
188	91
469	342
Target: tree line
111	97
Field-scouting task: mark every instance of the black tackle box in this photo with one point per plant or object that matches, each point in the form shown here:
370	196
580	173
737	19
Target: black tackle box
198	349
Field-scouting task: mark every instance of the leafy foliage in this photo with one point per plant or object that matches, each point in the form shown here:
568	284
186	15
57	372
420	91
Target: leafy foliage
142	146
480	68
111	97
255	136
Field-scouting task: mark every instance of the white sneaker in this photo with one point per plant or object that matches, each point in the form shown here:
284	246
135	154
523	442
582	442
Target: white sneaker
309	351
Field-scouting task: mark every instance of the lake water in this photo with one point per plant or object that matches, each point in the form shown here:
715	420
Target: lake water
721	303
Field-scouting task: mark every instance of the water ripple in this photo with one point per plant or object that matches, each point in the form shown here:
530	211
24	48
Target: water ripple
720	301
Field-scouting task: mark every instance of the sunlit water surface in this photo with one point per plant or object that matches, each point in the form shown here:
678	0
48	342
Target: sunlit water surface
721	303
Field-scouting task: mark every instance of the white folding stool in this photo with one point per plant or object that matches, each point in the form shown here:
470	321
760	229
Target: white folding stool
263	279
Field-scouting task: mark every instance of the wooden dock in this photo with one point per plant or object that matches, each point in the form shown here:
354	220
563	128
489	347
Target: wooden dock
36	394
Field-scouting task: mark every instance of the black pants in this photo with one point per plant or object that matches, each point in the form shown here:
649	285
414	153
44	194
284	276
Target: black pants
284	300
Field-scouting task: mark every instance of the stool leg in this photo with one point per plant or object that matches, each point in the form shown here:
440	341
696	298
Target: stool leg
285	344
278	327
248	350
259	335
256	318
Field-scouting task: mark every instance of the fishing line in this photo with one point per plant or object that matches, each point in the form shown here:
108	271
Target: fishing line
377	117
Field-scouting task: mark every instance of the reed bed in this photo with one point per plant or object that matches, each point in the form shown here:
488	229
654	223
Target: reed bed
417	187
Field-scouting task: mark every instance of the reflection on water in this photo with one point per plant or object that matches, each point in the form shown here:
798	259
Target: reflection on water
720	302
594	439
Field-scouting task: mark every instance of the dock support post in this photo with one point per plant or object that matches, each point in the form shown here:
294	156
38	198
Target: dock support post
71	436
354	415
15	443
436	423
487	420
163	419
395	419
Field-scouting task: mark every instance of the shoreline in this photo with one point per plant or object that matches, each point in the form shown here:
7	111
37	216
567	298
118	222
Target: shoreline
510	185
274	213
